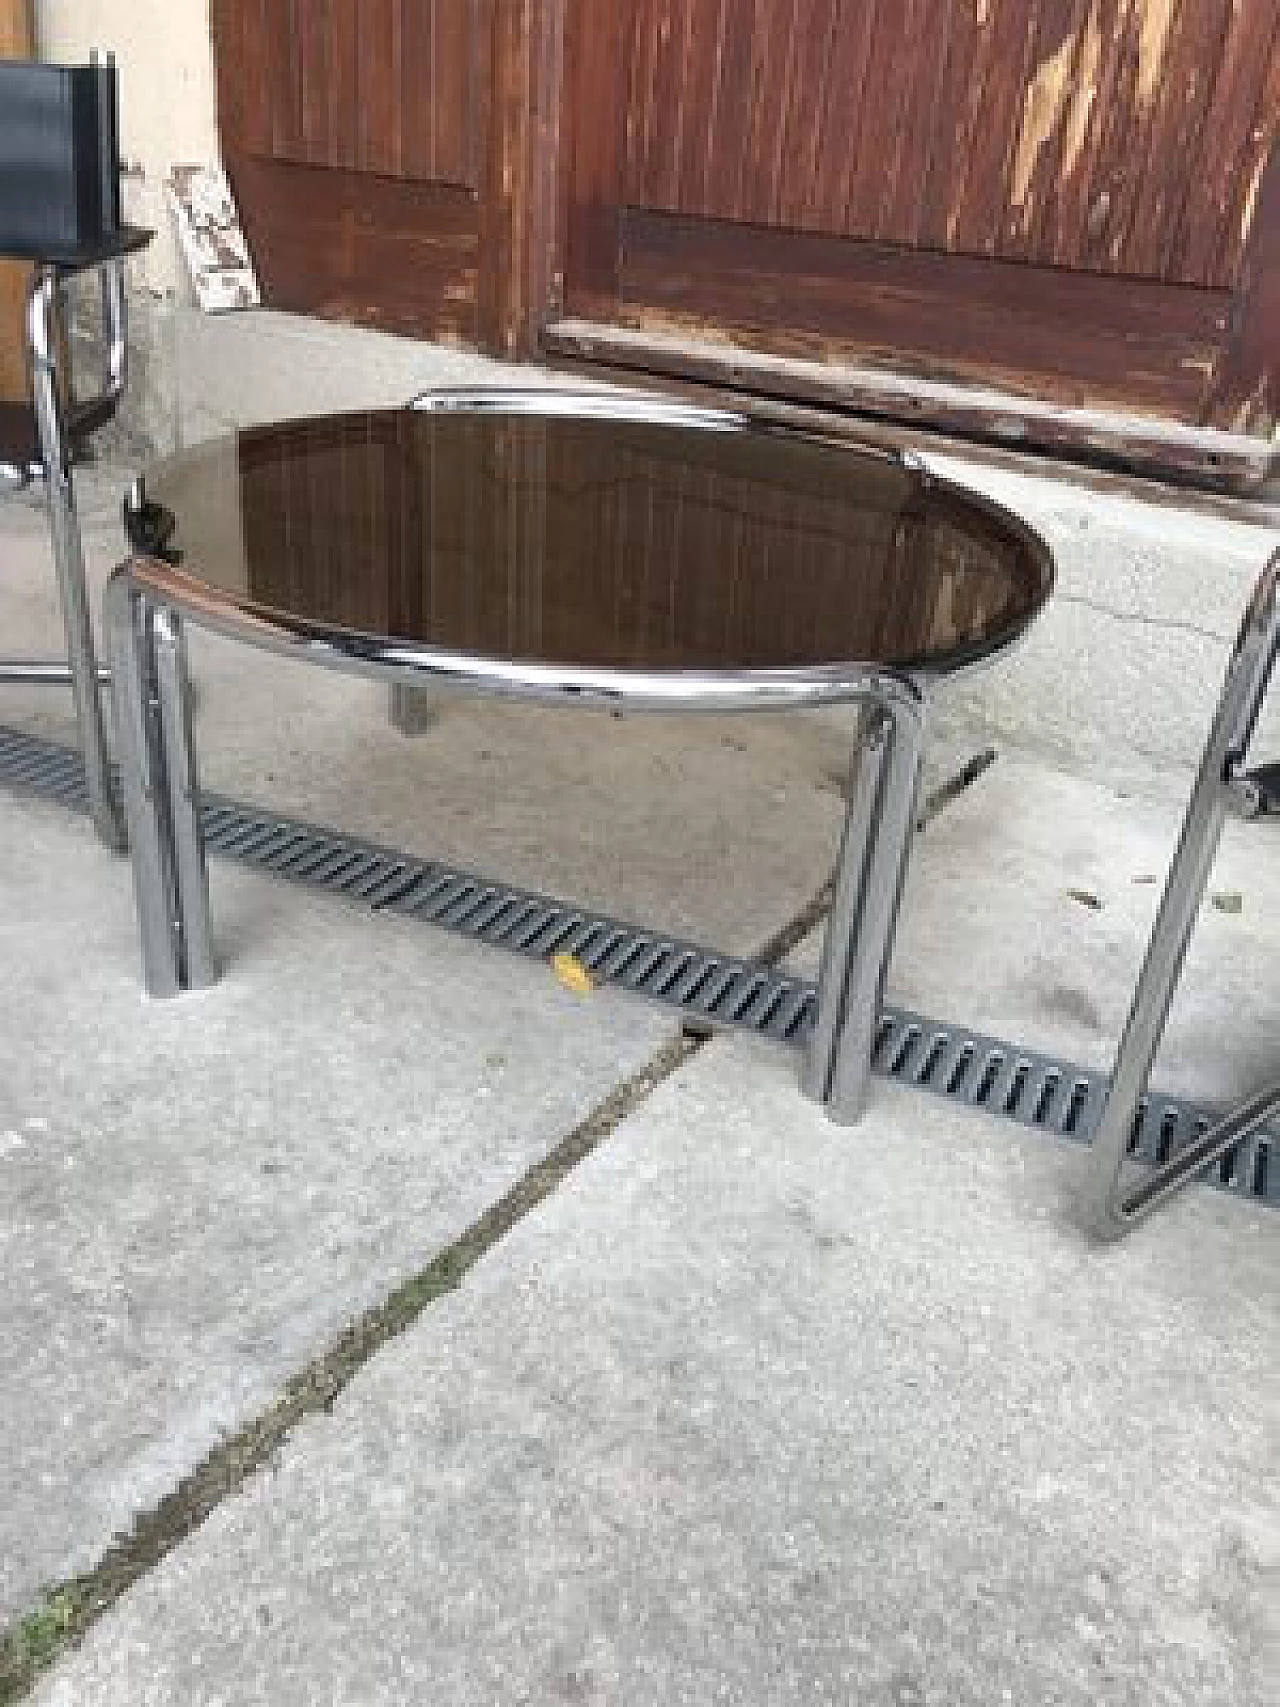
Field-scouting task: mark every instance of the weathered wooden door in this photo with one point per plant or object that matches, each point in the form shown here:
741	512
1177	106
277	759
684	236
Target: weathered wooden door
1066	198
380	154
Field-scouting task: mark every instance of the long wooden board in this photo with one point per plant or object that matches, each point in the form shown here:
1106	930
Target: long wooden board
17	41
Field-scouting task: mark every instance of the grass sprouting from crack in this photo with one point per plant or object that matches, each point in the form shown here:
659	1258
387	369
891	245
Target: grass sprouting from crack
68	1612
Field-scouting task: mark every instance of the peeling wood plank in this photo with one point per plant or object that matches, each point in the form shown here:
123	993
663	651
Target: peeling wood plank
699	109
659	164
379	69
639	51
1068	134
952	127
443	47
806	136
890	409
352	246
922	118
1156	25
977	215
1112	166
519	212
1078	199
1044	105
877	122
280	66
1060	163
909	99
846	100
1072	336
375	191
727	114
595	76
1245	394
1240	130
1178	152
775	41
1052	125
1184	51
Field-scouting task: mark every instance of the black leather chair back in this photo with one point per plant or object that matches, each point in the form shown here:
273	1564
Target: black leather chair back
59	156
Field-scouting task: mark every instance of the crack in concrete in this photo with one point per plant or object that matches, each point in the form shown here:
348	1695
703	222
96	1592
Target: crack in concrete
67	1612
1177	624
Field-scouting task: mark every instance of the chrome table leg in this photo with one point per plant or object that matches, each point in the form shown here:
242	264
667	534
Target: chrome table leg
1112	1205
874	852
45	337
412	711
182	797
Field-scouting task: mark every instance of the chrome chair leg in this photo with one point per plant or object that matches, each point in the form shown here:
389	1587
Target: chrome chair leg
130	637
874	853
160	789
45	332
1114	1204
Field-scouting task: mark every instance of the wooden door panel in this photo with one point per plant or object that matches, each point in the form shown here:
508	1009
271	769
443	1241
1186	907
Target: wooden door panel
1061	197
1103	135
355	246
438	88
382	86
354	135
963	316
383	154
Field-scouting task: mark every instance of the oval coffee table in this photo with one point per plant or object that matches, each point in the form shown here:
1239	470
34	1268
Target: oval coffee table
588	549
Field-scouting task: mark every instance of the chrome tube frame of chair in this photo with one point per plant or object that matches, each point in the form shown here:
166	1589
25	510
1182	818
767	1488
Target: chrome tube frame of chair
1116	1202
160	789
59	420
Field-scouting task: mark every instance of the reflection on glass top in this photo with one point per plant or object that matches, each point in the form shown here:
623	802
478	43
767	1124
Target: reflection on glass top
597	542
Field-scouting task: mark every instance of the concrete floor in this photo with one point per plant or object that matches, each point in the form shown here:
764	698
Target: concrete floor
751	1409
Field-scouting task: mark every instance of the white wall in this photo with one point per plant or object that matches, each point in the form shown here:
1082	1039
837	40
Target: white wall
165	60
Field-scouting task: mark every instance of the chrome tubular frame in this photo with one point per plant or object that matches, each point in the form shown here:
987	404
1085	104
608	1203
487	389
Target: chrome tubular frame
870	874
160	790
58	418
147	600
145	605
1116	1202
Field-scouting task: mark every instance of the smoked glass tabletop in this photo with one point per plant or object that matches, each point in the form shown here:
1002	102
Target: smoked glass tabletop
698	544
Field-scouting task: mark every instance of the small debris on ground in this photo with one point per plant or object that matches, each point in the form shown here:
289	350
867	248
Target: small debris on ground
1086	898
1229	901
1146	877
572	974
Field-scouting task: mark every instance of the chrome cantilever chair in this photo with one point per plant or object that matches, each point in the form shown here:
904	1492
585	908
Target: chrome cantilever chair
40	440
1118	1198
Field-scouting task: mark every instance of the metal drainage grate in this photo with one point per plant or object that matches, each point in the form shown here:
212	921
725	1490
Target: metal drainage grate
708	990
